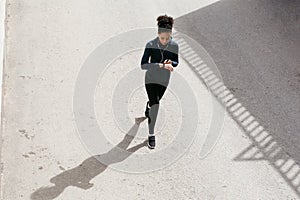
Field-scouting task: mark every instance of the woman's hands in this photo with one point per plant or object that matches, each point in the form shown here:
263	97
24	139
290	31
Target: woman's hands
168	65
168	61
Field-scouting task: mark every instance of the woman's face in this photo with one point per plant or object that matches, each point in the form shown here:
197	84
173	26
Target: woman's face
164	37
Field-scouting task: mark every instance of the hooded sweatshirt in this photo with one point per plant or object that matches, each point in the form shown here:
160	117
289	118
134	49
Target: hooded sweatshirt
158	53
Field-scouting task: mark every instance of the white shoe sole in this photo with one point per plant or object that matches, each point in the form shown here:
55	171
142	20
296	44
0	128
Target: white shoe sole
150	147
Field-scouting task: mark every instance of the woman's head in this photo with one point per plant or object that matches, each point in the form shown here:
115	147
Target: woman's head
165	25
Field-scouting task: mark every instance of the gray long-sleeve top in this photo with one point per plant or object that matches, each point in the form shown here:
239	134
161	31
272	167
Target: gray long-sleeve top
158	53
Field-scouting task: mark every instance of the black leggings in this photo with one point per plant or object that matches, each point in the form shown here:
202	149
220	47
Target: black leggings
155	92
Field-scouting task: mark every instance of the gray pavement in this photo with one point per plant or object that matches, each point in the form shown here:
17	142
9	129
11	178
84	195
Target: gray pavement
48	153
256	46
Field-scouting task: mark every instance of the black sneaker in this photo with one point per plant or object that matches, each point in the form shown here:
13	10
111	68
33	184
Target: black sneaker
151	142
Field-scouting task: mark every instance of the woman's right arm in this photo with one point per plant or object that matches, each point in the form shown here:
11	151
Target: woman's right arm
145	65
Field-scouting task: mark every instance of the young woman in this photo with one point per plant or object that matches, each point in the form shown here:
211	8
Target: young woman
163	54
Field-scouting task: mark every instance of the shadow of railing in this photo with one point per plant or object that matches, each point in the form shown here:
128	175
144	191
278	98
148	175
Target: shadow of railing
264	146
81	175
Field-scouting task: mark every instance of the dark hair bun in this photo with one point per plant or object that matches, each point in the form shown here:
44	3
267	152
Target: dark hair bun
165	21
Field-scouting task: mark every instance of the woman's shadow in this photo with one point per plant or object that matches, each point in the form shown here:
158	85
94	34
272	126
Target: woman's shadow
81	175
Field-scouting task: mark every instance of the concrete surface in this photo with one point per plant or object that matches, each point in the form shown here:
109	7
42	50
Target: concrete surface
2	36
48	43
256	46
2	55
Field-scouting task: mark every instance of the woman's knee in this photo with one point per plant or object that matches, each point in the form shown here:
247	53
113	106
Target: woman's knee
153	102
